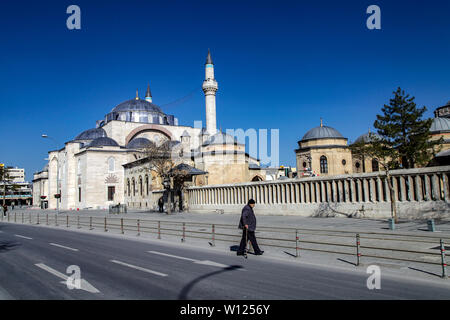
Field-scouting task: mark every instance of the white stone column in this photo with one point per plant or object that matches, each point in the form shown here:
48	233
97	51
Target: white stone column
435	189
427	188
411	189
341	190
328	188
373	194
312	192
352	190
395	187
380	190
366	190
301	190
402	188
317	191
333	186
307	198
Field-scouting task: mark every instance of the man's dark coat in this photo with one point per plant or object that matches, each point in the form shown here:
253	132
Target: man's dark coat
248	217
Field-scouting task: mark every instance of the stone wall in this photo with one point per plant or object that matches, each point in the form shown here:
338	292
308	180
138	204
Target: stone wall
419	193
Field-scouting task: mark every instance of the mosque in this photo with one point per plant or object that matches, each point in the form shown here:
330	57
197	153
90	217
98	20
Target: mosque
104	165
325	151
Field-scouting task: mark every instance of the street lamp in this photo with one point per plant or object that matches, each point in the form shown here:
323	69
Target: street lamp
57	174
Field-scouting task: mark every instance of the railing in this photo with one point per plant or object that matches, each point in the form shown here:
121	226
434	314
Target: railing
362	245
411	186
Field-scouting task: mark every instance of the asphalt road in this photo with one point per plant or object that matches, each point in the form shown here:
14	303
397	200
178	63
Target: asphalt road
34	260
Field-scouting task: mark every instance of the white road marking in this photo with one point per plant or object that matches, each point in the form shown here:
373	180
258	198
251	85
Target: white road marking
172	256
61	246
212	263
18	235
86	286
204	262
139	268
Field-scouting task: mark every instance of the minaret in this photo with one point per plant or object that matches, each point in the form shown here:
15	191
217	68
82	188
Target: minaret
148	95
210	88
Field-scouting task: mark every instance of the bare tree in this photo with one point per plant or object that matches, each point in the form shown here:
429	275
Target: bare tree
164	160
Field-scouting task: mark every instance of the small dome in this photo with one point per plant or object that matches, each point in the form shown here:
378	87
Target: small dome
102	142
137	105
91	134
322	132
138	143
367	137
220	138
440	125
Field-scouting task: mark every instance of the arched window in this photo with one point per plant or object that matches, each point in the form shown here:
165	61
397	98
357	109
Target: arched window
140	186
134	187
128	187
323	164
111	164
146	184
375	165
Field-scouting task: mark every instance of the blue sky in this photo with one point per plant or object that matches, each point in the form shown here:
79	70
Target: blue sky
279	64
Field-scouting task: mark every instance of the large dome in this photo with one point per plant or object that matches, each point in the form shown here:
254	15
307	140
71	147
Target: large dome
91	134
440	125
137	105
322	132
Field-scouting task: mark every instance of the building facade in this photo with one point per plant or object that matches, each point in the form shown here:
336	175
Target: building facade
105	165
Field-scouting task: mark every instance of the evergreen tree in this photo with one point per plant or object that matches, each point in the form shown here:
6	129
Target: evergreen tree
403	139
402	128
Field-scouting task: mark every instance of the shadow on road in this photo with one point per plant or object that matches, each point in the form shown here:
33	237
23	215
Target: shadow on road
8	245
343	260
427	272
187	288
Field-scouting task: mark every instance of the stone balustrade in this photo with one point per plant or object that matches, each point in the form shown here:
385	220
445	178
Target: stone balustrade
422	192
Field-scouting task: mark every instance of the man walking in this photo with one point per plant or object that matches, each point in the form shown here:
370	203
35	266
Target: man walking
248	226
5	209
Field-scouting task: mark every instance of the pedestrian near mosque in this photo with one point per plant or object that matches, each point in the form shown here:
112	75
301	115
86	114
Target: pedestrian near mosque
248	226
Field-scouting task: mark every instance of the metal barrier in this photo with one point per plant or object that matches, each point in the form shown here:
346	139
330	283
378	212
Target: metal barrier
286	238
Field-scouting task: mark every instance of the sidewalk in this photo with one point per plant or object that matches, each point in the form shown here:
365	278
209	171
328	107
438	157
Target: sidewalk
288	221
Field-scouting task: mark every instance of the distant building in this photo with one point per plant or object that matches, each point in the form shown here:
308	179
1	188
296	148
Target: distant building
40	188
18	191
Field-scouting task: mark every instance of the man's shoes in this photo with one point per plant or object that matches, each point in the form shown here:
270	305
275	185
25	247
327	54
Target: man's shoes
259	253
239	253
